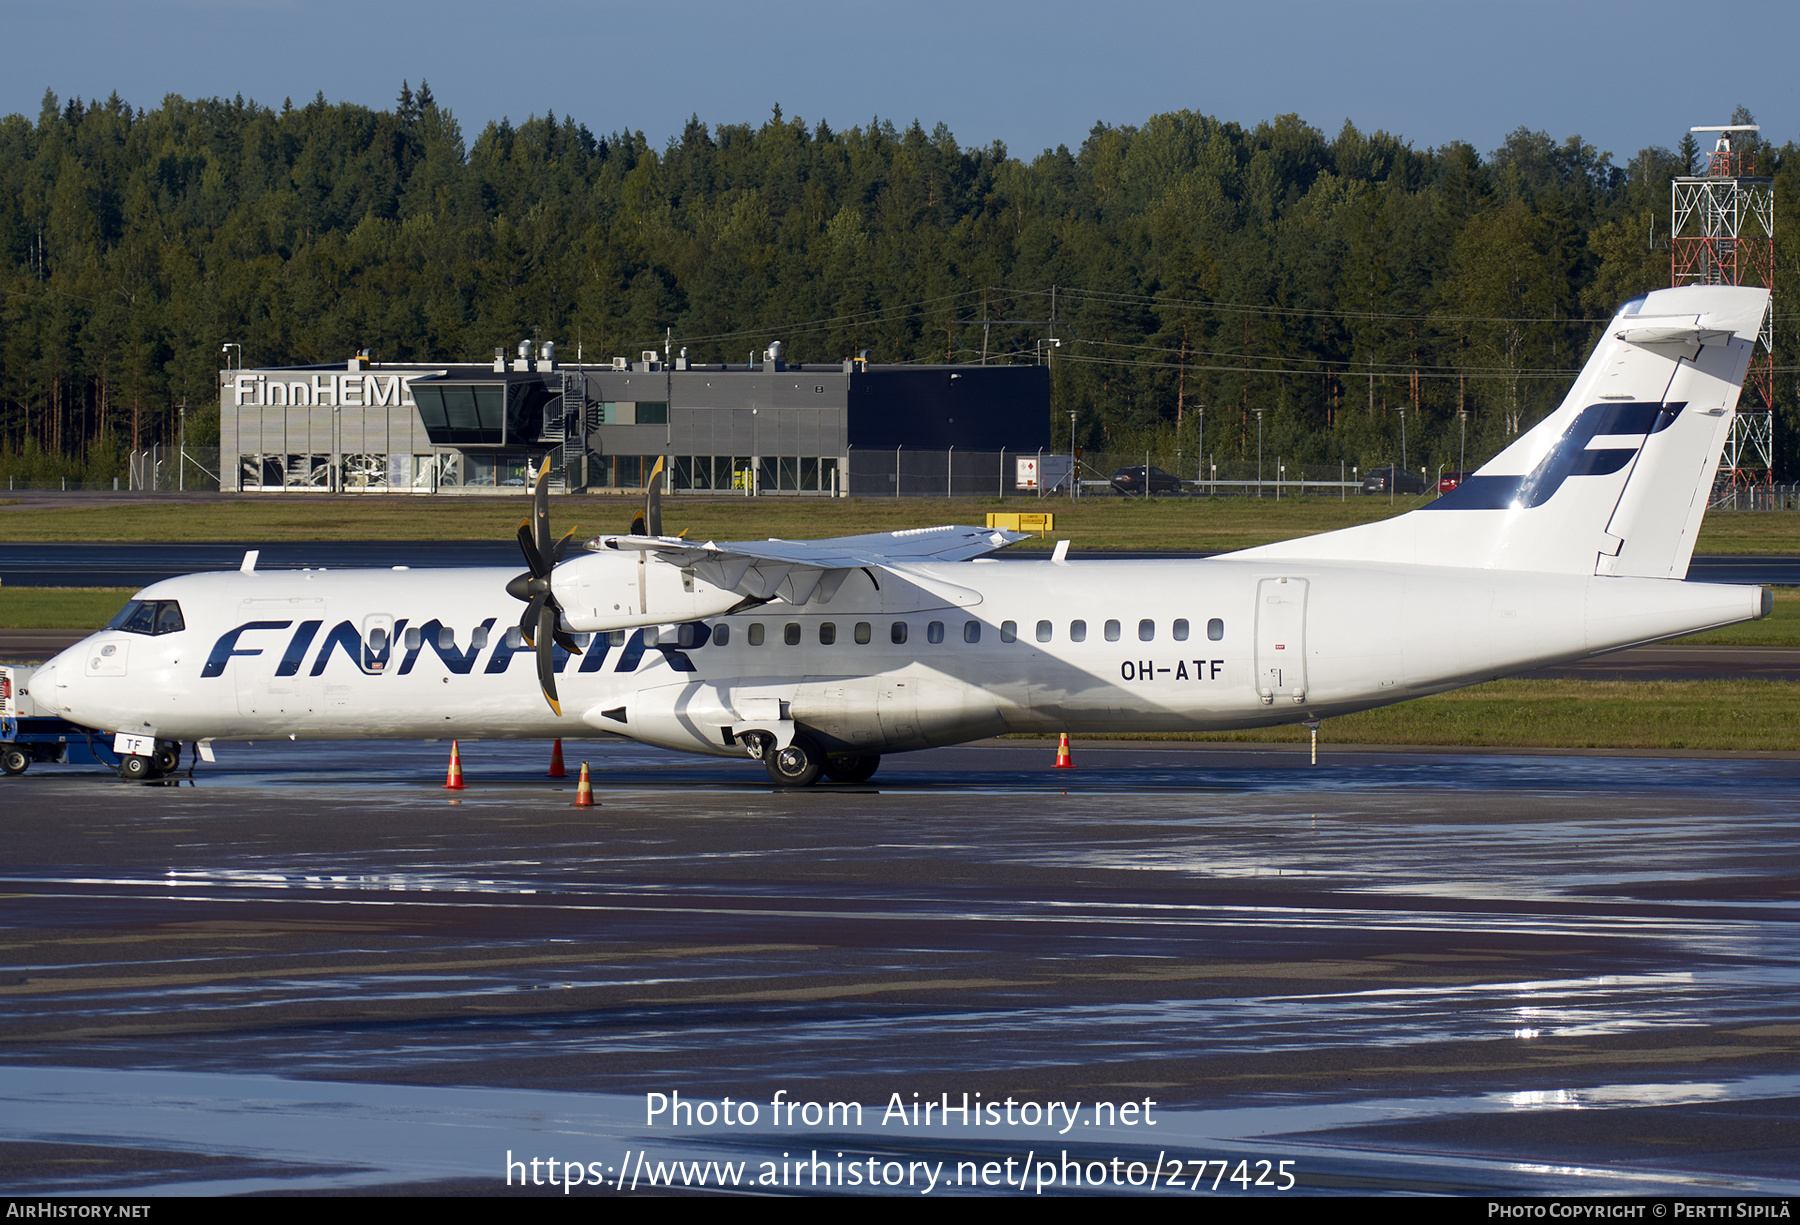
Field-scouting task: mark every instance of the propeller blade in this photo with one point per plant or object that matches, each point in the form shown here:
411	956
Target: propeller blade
529	622
540	511
637	524
534	560
563	640
653	501
556	554
546	657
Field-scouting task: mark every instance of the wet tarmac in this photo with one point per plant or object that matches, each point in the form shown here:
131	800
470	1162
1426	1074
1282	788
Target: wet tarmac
310	968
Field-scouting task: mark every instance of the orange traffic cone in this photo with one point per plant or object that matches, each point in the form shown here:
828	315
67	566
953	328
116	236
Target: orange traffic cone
584	790
556	761
1063	760
454	780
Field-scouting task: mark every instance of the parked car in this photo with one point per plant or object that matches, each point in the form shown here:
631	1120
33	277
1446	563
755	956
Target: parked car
1403	482
1131	481
1449	480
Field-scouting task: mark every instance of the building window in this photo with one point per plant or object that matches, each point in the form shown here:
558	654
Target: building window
653	412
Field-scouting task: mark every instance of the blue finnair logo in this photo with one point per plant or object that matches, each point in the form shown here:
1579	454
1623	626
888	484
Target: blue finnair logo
1569	457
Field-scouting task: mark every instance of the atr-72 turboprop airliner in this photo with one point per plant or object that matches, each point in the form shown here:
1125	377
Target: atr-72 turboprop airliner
817	657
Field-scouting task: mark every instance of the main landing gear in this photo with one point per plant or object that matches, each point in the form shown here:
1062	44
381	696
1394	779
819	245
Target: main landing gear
802	763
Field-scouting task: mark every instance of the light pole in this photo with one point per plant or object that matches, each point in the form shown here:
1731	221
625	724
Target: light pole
226	349
1199	442
181	478
1074	465
1259	470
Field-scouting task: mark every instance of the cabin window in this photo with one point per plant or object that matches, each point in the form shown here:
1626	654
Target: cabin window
1215	629
721	635
478	640
1009	631
790	633
898	632
934	632
1043	631
446	638
652	635
1078	631
863	633
1179	629
827	633
1112	631
1146	631
378	640
514	638
414	639
756	633
971	631
617	637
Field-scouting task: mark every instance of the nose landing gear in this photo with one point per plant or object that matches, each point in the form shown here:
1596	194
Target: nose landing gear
137	768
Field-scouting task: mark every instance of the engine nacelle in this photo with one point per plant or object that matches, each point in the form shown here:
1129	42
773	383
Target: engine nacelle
628	588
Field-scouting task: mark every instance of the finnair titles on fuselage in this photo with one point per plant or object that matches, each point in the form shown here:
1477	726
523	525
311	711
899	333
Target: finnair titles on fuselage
823	655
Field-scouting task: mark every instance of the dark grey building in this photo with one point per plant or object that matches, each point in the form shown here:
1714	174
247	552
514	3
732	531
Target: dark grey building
772	428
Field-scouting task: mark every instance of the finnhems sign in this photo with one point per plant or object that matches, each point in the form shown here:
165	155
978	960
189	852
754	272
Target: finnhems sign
251	389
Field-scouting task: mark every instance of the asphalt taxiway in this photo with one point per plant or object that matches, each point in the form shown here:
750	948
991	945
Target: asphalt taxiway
310	968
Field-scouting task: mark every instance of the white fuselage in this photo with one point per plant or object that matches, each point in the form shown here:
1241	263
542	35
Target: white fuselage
989	646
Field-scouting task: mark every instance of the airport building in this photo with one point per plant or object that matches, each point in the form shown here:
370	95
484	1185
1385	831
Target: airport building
755	429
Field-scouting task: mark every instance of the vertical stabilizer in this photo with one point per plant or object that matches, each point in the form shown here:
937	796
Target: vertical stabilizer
1615	481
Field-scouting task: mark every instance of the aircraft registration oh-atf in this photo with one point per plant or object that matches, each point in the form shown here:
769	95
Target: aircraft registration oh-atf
820	656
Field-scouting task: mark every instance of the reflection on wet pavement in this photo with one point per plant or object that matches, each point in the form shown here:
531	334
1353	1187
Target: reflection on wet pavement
301	974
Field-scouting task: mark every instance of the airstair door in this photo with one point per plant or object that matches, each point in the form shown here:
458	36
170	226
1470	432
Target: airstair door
1281	640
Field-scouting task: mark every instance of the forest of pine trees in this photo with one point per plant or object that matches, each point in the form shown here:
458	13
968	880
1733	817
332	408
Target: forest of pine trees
1345	285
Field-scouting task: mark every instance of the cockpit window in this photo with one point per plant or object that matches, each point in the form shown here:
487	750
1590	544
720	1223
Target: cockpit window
149	617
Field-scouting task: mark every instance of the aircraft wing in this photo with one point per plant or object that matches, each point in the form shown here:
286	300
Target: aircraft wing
796	570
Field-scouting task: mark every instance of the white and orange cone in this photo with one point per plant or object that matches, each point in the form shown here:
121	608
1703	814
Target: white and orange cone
556	761
454	780
1063	760
584	790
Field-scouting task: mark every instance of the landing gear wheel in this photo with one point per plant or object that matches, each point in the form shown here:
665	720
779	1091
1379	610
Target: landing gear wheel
134	768
14	760
852	767
798	765
168	758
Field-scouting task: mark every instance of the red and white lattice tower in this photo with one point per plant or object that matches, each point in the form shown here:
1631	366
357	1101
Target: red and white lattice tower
1723	233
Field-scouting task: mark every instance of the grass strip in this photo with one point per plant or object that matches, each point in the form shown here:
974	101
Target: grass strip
1744	715
60	608
1095	522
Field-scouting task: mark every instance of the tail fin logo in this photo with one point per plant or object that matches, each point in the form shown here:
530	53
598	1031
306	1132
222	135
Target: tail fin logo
1572	455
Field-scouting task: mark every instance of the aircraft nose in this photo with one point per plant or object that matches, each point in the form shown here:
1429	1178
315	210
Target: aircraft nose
42	687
